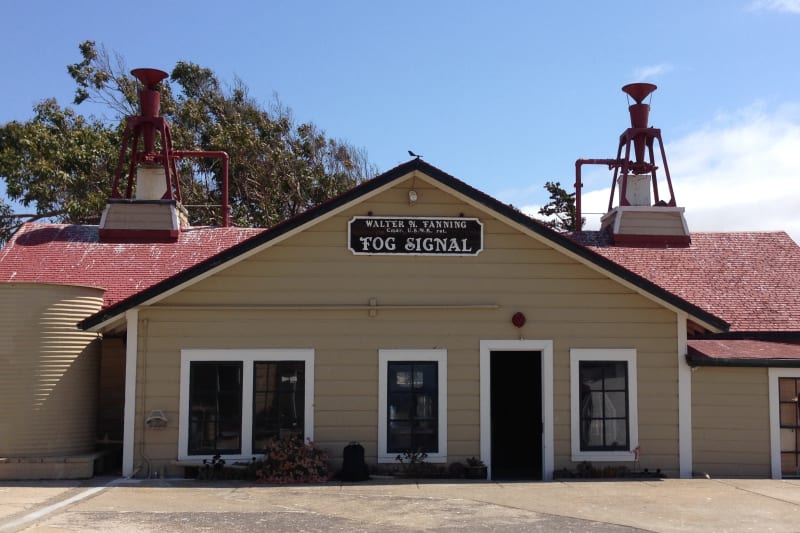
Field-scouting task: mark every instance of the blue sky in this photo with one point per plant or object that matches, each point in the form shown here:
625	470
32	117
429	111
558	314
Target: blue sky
504	95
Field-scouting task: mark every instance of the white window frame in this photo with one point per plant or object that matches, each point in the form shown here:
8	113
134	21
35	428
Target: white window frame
775	416
248	358
385	357
576	355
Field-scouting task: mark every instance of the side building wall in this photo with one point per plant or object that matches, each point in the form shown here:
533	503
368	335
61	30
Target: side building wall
730	421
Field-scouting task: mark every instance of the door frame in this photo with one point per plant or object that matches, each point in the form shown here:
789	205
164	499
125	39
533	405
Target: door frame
775	416
545	347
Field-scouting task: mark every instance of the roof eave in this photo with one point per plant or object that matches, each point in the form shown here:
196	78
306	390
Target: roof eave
697	360
774	336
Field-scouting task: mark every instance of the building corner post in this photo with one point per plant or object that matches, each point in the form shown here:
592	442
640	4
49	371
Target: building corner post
131	352
684	401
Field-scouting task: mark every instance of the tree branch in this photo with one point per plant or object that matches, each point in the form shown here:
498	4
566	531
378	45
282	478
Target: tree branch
33	216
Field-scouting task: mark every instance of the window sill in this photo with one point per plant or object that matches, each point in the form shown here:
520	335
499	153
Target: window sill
229	459
431	458
600	457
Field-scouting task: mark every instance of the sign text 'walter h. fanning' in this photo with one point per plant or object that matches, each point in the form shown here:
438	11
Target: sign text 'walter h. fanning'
415	236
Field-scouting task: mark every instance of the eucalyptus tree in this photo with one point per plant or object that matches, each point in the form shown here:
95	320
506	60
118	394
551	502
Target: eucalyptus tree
59	164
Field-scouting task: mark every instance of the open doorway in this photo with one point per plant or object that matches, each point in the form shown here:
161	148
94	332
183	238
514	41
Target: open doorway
516	414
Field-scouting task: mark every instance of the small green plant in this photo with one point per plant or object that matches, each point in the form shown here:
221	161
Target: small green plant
586	470
474	461
456	470
412	463
475	469
212	469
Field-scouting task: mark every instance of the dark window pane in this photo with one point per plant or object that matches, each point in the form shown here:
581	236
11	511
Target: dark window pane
616	404
790	425
594	436
400	377
399	437
425	377
596	405
603	400
616	434
787	388
789	466
425	404
278	401
412	407
591	376
616	376
215	408
425	435
788	415
400	406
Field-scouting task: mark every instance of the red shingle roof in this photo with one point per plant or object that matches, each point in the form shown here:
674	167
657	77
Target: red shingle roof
750	280
738	349
72	255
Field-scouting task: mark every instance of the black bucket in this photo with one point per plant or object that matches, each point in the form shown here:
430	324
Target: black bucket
353	466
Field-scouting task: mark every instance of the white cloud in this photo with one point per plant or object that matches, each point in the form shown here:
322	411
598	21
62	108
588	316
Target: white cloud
742	175
739	173
786	6
650	72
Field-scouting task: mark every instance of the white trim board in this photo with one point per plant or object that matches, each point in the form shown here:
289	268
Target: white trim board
685	457
129	417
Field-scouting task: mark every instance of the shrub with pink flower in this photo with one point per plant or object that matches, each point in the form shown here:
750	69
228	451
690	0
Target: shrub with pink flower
290	460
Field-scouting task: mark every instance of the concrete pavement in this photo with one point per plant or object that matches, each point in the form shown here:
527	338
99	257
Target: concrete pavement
115	505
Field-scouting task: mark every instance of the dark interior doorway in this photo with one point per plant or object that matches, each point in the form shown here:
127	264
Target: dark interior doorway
516	413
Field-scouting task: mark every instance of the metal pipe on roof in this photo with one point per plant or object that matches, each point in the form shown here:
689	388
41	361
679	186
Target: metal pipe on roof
215	154
612	163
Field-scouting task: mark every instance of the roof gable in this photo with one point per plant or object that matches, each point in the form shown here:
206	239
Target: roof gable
370	188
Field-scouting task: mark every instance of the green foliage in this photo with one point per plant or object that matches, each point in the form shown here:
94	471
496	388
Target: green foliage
63	163
101	80
290	460
60	161
474	461
413	465
560	210
586	469
212	469
6	222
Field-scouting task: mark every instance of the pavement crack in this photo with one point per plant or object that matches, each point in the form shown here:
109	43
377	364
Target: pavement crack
757	493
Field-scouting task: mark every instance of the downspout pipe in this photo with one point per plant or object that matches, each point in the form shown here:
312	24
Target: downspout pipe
214	154
611	163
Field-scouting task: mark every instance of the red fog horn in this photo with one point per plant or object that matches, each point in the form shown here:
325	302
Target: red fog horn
155	171
640	113
149	102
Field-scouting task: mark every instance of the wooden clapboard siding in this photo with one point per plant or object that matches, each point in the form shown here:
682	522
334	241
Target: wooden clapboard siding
730	421
563	300
140	216
652	222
